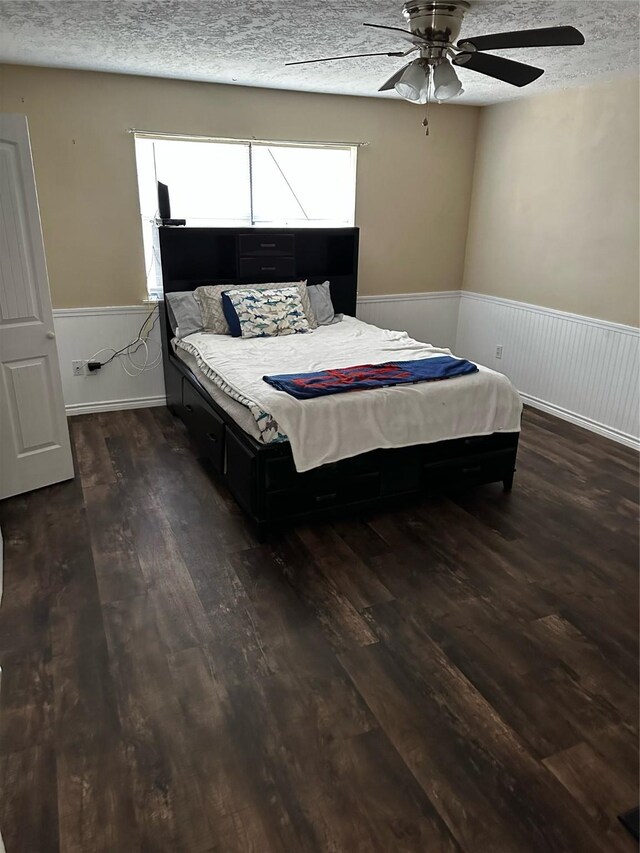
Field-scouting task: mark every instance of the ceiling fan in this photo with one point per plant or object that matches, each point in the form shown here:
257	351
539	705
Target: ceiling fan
434	25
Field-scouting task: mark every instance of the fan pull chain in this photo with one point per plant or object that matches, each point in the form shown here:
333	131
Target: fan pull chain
425	120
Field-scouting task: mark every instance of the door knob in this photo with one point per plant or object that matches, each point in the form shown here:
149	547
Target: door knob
51	335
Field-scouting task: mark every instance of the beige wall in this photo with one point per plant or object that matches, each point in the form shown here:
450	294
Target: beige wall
554	212
412	193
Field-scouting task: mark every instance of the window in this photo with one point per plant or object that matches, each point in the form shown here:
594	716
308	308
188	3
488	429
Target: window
243	183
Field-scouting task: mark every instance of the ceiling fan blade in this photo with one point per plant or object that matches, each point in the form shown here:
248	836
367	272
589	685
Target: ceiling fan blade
507	70
391	82
349	56
405	34
543	37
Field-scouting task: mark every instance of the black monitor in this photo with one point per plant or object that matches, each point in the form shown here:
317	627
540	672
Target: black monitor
164	207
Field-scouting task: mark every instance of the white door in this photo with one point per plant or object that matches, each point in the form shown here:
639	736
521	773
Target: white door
34	437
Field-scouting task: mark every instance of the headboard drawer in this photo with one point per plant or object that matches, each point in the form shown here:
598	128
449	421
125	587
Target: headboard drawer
259	245
276	267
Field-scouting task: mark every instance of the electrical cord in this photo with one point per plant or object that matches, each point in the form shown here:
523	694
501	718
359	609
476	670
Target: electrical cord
126	352
135	341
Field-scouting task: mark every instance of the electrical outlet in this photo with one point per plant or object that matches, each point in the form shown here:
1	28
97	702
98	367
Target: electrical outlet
79	368
499	351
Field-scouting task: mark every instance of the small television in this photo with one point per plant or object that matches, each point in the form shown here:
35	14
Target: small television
164	207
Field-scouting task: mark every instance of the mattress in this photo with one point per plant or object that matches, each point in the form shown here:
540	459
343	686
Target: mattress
240	413
334	427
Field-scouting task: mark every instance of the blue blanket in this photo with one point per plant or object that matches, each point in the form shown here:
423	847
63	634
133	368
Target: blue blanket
363	377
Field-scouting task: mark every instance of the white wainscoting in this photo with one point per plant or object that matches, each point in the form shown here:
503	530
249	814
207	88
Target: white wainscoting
80	332
584	370
431	317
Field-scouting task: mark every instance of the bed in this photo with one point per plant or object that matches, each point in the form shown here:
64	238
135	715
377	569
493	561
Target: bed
285	459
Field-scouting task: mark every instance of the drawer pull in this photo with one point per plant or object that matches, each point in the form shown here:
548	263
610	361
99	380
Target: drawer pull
474	439
188	408
267	245
267	269
330	497
473	470
212	437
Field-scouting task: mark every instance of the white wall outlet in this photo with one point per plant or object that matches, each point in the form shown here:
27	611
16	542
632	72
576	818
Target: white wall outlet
79	367
499	351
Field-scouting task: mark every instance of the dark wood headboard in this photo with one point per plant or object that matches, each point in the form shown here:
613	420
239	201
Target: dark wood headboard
192	257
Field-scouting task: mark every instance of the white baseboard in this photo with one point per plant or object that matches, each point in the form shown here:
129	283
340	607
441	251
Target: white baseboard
114	405
581	421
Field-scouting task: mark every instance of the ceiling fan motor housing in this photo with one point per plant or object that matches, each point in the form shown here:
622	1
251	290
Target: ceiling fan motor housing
435	20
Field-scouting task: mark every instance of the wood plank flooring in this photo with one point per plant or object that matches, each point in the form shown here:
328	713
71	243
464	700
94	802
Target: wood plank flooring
457	675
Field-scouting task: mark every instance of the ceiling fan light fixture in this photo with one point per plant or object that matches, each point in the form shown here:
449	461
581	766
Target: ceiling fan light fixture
433	32
414	83
445	81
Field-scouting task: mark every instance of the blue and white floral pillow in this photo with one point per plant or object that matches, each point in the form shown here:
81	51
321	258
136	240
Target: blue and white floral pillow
264	313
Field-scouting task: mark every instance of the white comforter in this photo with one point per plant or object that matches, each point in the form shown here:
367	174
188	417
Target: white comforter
326	429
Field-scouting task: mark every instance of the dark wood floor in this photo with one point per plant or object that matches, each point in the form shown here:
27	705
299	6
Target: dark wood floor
456	675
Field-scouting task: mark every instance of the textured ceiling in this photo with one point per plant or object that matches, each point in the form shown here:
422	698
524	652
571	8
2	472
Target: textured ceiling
248	42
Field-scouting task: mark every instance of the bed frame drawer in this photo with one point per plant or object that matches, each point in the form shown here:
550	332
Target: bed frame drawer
206	427
292	502
460	447
280	472
469	471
